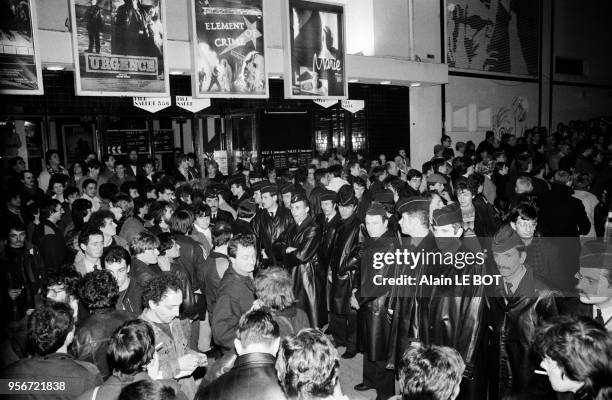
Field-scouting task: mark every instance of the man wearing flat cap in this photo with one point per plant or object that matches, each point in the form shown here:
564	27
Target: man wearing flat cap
256	188
407	326
385	197
518	304
594	285
343	266
270	223
216	214
297	250
372	302
456	314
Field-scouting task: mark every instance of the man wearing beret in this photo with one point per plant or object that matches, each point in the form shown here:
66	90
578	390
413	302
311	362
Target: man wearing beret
518	304
385	197
297	250
328	222
594	285
322	178
256	188
456	315
407	326
372	302
287	190
343	265
270	223
212	200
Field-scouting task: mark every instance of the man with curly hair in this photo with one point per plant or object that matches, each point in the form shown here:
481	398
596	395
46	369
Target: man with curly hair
50	332
321	379
162	296
98	290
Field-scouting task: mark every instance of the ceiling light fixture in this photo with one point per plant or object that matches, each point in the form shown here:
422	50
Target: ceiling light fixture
385	82
55	68
353	80
415	84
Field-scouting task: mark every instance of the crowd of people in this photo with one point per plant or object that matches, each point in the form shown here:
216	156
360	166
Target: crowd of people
124	281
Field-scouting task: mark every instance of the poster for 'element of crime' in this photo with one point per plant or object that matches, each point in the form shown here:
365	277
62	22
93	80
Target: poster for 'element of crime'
229	49
120	47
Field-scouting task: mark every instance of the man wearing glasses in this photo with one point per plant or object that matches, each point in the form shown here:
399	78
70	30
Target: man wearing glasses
542	257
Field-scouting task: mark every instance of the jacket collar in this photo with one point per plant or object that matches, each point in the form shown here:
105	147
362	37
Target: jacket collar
254	358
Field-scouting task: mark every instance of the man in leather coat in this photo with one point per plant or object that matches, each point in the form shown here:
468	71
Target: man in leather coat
298	248
456	315
407	300
23	273
328	221
99	292
270	223
373	301
343	265
518	304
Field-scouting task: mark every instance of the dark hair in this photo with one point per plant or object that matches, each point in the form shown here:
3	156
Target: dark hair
201	209
524	210
80	207
162	187
65	276
132	347
50	153
116	254
71	190
126	186
181	221
156	288
257	327
98	218
88	182
430	372
335	170
147	390
108	190
312	348
48	328
244	240
93	164
184	190
582	349
436	163
413	173
48	208
98	289
157	210
166	241
426	167
320	174
125	202
221	233
87	232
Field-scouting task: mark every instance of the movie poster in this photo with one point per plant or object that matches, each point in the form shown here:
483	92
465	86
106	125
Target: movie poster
20	69
229	49
315	55
120	46
493	36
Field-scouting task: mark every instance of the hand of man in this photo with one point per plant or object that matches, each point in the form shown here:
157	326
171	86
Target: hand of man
189	362
290	249
354	302
14	293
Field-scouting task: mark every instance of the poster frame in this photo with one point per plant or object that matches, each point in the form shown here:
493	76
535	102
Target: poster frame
37	57
195	93
288	49
103	93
